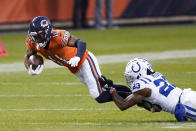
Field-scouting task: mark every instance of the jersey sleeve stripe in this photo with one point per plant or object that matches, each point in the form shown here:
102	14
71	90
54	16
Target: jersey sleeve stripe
144	81
148	79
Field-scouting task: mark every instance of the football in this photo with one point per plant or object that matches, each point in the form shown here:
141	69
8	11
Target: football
35	60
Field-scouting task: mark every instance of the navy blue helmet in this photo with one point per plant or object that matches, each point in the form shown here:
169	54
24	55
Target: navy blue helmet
40	31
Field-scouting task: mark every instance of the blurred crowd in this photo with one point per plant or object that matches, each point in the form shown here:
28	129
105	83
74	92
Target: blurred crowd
80	14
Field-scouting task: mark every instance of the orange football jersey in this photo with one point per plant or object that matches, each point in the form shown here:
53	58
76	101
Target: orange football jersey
58	51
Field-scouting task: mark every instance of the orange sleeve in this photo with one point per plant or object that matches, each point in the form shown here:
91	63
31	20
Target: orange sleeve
61	36
28	43
31	45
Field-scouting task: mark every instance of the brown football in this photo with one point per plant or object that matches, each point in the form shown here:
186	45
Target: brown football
35	60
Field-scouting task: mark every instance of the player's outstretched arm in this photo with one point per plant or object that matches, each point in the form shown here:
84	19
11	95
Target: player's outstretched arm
131	100
29	52
79	44
81	48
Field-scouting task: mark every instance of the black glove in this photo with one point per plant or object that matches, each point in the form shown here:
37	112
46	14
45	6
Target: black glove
149	106
145	104
105	83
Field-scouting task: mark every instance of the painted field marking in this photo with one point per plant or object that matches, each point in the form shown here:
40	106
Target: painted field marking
68	109
30	96
170	125
115	58
41	83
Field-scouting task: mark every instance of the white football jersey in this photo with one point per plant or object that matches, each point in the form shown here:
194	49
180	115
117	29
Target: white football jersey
163	93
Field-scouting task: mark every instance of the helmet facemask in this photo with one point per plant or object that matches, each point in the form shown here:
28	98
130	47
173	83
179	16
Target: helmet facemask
40	31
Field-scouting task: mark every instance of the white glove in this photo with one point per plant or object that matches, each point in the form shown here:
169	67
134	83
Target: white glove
74	61
37	71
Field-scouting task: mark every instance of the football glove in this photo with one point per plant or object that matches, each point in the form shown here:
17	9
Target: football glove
105	83
37	71
74	61
149	106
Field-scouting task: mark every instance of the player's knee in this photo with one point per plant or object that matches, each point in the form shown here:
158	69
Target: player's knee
104	97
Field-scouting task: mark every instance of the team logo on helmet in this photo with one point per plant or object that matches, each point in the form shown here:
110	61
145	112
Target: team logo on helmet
134	68
44	23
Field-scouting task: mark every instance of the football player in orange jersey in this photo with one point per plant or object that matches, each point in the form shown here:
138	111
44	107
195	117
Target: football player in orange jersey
66	50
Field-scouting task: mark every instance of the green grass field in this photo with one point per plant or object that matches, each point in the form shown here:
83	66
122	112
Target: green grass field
56	101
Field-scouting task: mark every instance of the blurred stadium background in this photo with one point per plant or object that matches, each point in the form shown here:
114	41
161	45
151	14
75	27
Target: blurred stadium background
56	100
16	14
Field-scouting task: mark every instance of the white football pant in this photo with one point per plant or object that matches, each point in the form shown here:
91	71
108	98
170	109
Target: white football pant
188	99
89	74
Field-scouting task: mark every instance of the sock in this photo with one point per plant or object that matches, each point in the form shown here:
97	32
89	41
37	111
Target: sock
122	90
104	97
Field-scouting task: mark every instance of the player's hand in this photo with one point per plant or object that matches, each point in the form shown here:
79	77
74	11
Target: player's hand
112	90
156	108
149	106
105	83
74	61
37	71
145	104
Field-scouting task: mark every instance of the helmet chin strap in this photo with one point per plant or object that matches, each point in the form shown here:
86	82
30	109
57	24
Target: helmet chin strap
138	76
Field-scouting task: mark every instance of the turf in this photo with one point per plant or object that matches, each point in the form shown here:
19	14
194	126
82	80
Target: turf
126	40
56	100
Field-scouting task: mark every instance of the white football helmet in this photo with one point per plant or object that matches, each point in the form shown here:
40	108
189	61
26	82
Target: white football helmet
136	68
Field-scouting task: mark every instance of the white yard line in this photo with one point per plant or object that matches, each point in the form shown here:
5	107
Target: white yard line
30	96
41	83
148	55
167	125
68	109
106	59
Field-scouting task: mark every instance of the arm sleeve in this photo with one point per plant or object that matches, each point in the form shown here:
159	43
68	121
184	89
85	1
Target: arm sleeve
81	46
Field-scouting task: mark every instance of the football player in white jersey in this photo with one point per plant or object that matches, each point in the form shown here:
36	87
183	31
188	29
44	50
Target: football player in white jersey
153	92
